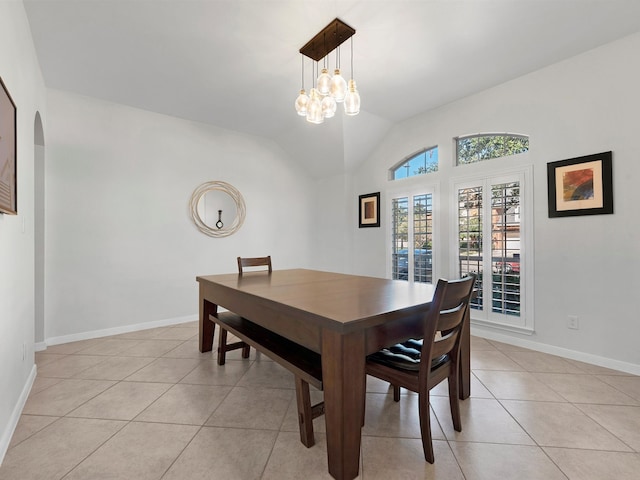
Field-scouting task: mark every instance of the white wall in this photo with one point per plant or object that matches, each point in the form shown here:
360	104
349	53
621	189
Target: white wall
21	74
331	242
584	266
121	249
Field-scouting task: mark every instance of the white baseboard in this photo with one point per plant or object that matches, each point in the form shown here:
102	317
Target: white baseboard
39	346
5	439
118	330
559	351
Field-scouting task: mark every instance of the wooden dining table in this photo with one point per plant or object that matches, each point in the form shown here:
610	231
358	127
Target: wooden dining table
343	318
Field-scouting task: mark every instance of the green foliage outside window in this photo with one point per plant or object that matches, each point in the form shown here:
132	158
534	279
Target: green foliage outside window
484	147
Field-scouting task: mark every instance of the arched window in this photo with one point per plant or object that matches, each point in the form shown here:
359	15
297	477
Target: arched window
425	161
484	146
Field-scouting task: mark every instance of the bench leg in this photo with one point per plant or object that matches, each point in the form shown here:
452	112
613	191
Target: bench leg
305	417
222	346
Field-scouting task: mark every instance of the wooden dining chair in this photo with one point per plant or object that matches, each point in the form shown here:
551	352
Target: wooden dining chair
421	364
223	346
254	262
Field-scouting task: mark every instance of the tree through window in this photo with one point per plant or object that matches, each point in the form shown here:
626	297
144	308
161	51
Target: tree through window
475	148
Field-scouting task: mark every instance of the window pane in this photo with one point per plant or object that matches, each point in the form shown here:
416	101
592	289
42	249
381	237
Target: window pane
476	148
470	236
399	240
412	238
423	238
424	162
505	248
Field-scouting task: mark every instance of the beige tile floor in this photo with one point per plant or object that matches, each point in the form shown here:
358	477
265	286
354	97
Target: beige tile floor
148	405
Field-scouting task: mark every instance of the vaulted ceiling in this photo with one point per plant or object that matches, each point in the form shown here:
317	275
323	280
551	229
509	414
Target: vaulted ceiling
235	63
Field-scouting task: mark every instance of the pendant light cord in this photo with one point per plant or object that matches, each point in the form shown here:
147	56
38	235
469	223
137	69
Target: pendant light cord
352	57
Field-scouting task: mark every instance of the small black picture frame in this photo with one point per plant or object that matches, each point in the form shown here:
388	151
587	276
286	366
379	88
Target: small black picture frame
369	210
580	186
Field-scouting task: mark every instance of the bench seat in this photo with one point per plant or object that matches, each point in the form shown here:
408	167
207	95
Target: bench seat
305	364
301	361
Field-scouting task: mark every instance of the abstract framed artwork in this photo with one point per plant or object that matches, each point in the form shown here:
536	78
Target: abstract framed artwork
369	209
580	186
8	157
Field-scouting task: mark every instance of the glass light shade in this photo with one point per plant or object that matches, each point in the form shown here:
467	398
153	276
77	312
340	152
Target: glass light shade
338	88
301	103
329	106
314	108
352	99
324	82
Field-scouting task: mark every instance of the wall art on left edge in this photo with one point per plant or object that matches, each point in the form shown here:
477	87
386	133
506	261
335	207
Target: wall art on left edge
8	157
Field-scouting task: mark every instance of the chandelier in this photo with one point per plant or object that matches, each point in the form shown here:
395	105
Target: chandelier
328	90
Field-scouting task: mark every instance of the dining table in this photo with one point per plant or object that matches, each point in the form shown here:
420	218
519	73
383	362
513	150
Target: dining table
342	317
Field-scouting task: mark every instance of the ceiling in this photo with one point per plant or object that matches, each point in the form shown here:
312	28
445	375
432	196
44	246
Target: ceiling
235	63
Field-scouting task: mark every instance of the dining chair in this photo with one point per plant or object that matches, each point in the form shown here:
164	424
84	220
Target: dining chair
223	346
254	262
421	364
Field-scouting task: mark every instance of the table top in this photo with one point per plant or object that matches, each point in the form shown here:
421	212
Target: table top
336	300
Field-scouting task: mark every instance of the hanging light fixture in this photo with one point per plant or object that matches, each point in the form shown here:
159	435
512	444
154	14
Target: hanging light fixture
303	100
352	97
314	107
338	86
329	89
329	106
324	80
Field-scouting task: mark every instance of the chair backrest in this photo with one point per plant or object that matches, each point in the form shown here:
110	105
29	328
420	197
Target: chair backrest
254	262
444	322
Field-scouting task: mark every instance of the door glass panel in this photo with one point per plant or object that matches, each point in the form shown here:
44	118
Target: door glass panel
400	238
505	248
470	237
423	238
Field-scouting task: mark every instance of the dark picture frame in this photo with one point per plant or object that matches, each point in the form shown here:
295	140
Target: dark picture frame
581	186
8	154
369	210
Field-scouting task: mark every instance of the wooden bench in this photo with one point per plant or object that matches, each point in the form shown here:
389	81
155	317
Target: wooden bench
305	364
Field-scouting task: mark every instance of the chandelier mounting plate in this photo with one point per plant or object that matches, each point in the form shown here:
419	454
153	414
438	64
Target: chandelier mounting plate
327	40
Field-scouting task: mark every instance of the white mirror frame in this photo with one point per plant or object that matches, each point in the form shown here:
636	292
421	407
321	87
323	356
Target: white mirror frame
230	190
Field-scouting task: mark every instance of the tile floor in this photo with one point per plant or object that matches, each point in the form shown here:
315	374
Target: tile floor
148	405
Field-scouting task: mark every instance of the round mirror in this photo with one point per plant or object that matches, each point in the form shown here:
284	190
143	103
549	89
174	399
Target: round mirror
217	208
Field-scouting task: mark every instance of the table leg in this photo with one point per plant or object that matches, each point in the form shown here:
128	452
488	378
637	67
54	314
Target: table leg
206	327
343	362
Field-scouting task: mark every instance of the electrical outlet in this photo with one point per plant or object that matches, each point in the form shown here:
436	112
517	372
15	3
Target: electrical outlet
572	322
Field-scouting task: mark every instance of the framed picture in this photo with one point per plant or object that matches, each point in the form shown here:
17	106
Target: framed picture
580	186
370	210
8	158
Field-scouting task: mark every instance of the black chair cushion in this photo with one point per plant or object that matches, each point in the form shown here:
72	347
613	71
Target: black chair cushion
404	356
